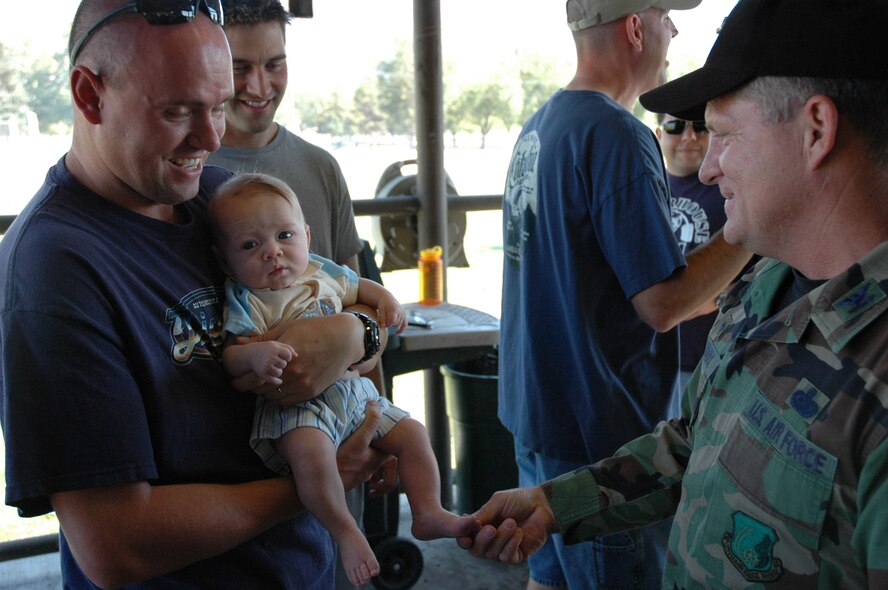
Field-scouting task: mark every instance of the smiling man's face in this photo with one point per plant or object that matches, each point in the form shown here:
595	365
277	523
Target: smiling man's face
684	152
260	79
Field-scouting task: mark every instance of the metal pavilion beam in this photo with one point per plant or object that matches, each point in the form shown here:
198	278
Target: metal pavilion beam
430	177
432	214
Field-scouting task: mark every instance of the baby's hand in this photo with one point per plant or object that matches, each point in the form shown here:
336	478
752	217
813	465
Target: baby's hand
391	314
270	359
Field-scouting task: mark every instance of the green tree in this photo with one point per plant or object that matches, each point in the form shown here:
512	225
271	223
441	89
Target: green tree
367	116
307	107
12	95
455	116
325	115
453	119
395	85
538	83
335	118
484	104
46	86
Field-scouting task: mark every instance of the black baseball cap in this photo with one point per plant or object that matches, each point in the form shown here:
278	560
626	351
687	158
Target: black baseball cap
793	38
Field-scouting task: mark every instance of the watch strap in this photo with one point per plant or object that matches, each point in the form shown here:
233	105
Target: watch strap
371	336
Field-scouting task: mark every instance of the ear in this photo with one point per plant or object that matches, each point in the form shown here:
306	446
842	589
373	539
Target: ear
658	132
821	120
86	86
633	28
307	235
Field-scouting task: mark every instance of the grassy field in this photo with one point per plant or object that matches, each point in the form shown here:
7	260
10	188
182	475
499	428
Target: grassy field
472	170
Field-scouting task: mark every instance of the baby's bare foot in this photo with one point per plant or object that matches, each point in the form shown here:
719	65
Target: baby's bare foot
358	559
435	524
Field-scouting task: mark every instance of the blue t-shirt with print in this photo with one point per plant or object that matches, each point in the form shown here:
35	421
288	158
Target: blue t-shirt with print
111	337
586	227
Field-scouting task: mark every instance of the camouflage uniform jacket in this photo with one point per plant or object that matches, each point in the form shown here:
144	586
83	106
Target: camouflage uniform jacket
777	471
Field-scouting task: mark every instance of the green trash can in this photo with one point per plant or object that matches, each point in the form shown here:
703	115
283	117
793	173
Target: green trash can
483	449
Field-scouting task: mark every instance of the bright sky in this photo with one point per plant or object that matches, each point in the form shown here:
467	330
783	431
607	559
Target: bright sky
481	37
347	38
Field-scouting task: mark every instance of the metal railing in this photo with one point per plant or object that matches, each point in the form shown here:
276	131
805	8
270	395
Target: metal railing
5	222
28	547
386	206
411	205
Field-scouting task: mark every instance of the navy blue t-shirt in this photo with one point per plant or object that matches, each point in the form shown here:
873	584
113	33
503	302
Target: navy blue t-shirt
586	227
698	211
111	337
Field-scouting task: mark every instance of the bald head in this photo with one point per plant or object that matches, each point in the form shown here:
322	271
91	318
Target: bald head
149	106
106	34
199	46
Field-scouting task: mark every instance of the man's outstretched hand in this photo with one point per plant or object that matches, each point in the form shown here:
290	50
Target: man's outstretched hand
515	524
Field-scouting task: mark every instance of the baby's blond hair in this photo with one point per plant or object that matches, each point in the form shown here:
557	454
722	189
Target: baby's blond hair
249	185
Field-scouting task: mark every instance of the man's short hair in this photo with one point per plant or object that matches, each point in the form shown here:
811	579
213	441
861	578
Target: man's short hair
105	42
88	12
246	13
861	102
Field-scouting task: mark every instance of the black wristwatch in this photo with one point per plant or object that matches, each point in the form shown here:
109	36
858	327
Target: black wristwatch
371	336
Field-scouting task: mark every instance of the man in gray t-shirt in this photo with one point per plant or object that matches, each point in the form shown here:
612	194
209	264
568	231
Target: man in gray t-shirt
253	142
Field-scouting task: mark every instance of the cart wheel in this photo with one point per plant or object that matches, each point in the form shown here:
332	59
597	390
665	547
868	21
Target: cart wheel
400	564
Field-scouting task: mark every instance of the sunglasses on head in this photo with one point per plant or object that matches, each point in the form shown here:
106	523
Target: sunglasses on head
677	126
156	12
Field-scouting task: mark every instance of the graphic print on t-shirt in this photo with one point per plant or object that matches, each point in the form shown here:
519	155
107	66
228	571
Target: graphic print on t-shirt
520	199
689	223
196	326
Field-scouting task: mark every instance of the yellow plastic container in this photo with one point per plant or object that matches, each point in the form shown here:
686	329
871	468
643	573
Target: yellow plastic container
431	276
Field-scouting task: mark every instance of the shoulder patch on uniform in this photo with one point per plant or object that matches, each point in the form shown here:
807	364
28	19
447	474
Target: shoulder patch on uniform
859	299
750	548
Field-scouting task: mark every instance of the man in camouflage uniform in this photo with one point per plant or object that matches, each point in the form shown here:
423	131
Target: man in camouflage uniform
777	471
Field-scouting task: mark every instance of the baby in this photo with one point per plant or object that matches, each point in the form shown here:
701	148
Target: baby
262	242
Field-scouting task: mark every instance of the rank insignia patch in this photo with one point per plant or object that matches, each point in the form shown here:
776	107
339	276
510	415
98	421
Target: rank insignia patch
859	299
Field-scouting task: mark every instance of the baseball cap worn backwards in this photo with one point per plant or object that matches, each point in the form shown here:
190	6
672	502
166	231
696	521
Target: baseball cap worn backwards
792	38
582	14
